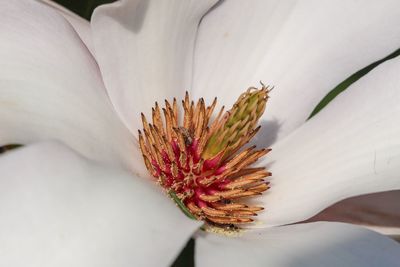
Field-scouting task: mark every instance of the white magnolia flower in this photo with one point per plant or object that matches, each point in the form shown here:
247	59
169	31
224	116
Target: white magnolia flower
86	200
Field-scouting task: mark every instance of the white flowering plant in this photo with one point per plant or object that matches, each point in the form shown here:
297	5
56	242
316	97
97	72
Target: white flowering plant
88	189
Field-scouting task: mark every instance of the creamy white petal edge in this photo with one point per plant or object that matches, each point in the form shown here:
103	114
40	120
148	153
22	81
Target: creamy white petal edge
81	25
145	51
58	208
351	147
51	87
303	245
303	48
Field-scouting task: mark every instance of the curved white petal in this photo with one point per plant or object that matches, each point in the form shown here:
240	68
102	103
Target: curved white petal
51	87
145	51
307	245
60	209
376	211
303	48
352	147
81	26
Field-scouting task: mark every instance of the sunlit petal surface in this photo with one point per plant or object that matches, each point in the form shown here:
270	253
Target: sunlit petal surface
302	245
303	48
145	51
81	26
351	147
51	87
58	208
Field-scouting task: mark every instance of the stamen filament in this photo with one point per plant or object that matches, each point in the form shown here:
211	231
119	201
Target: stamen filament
200	163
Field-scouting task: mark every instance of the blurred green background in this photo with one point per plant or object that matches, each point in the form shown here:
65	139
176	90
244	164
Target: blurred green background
81	7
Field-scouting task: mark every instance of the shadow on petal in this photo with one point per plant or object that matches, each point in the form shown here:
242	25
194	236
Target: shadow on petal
267	134
379	211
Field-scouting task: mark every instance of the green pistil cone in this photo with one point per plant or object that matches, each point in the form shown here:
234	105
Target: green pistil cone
240	122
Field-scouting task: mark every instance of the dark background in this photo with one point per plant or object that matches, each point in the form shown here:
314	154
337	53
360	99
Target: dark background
82	7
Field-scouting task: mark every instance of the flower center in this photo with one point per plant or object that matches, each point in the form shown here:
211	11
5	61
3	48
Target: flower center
201	162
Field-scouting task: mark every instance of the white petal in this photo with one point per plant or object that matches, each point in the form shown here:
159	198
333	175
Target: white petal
145	51
377	211
51	88
60	209
352	147
81	25
303	48
308	245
